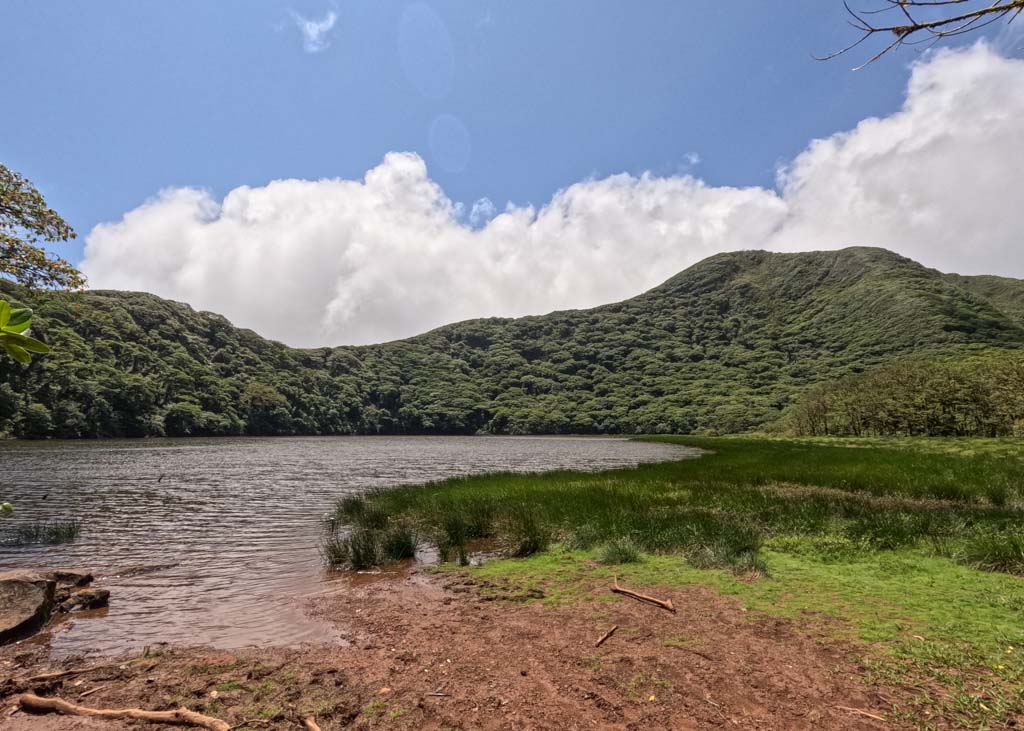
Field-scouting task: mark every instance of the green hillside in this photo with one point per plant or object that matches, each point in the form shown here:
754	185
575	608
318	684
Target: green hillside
726	345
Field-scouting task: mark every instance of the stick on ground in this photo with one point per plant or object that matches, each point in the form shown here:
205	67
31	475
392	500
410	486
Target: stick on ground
310	723
859	712
606	635
663	603
32	703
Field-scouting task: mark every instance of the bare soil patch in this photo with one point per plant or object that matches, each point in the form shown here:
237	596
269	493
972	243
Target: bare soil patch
441	651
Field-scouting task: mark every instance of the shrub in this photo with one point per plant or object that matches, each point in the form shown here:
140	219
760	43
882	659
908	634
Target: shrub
619	551
995	551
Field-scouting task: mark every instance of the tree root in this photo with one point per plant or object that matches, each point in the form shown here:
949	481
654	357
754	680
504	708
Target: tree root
32	703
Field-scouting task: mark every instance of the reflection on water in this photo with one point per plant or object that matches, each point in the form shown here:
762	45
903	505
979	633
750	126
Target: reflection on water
214	541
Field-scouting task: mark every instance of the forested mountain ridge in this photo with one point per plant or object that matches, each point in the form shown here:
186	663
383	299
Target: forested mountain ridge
727	344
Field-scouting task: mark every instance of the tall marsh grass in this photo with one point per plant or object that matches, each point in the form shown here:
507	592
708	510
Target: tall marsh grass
718	510
52	532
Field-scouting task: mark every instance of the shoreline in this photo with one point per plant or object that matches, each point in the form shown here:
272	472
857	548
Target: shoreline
445	649
860	610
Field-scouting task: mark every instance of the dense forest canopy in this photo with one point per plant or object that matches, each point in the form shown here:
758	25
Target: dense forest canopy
974	396
728	345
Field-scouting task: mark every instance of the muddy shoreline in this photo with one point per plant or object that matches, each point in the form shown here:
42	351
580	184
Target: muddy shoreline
441	650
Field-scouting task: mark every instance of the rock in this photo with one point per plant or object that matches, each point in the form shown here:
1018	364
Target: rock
69	577
26	601
85	599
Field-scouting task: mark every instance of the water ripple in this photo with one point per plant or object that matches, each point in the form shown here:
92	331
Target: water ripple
232	524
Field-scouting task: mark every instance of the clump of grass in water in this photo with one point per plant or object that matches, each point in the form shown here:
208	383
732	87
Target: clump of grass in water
452	537
480	518
359	549
526	533
359	511
619	551
44	532
398	542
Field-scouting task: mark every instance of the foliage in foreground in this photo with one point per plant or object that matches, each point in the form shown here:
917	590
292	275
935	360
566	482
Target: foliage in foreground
728	345
25	221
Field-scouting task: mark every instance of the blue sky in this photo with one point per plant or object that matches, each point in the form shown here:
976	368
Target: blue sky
115	102
110	104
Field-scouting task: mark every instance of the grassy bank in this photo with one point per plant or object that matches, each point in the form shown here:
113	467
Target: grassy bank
915	547
718	510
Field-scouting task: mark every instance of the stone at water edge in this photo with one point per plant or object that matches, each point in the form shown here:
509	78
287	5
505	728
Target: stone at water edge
69	577
26	601
85	599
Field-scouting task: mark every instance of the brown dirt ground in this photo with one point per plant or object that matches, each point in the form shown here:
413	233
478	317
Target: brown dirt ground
429	651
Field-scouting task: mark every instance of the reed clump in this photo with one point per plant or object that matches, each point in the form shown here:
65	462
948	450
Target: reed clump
52	532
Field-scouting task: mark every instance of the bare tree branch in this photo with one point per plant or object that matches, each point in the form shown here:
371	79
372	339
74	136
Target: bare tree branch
914	29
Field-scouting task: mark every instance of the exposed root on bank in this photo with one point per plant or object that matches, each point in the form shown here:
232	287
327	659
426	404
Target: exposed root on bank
32	703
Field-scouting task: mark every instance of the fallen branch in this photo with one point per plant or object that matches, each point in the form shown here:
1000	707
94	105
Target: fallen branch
310	723
860	712
182	716
663	603
606	635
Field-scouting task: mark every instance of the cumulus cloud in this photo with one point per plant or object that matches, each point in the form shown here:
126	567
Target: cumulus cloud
354	261
315	32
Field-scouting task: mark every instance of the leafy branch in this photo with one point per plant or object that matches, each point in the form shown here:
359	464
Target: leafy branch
14	323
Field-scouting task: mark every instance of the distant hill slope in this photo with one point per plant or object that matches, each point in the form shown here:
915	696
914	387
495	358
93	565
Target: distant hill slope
727	344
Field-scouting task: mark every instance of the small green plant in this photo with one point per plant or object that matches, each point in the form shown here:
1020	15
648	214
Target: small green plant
375	708
619	551
14	323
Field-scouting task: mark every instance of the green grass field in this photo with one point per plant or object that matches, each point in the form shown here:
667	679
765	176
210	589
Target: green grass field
897	540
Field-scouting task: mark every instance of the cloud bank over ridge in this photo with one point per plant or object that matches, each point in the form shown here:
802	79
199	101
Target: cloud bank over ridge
332	262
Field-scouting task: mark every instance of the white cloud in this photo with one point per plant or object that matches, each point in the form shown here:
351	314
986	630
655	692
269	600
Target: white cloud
482	211
353	261
314	32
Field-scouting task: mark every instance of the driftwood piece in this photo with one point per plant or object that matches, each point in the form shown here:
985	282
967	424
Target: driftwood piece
182	716
663	603
310	723
606	635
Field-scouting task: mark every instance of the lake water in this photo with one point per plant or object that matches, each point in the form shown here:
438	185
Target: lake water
235	523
